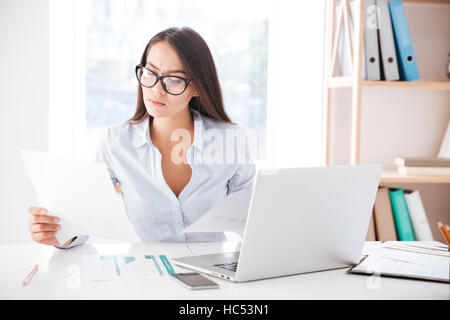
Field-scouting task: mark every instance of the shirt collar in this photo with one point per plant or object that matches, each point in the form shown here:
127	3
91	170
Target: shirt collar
142	132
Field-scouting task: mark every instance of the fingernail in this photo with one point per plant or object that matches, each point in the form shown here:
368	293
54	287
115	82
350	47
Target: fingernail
56	219
43	211
58	227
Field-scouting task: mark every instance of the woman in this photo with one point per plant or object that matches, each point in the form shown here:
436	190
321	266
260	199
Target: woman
178	155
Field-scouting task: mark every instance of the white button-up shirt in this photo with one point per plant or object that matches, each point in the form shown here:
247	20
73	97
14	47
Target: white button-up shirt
220	162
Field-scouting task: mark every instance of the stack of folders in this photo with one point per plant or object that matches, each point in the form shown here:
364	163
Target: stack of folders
398	214
424	260
388	50
435	166
423	166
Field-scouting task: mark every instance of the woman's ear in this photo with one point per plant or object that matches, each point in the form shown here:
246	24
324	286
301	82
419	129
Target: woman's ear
194	91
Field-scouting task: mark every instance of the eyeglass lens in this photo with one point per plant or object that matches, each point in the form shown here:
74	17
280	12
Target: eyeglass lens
173	85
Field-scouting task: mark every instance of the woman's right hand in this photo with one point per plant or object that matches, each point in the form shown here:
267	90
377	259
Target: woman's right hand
43	228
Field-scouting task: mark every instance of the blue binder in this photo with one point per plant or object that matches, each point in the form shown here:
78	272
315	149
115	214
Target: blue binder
405	54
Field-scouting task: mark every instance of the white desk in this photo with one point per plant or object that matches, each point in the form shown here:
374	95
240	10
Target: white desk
60	276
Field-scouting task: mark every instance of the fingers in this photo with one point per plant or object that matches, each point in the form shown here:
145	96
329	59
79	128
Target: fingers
37	210
52	241
42	227
39	215
45	237
41	236
43	219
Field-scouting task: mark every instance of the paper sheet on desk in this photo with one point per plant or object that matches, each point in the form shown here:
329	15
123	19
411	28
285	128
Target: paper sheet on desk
412	253
407	260
401	268
81	195
126	267
229	214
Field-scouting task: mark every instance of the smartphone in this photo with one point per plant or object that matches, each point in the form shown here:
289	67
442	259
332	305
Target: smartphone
194	281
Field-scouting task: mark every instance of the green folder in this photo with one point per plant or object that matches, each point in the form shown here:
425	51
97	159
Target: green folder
400	211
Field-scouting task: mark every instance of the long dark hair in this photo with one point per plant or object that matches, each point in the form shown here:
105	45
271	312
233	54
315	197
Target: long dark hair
199	65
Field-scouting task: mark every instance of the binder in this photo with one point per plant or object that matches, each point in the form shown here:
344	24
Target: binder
422	230
405	54
384	218
387	43
371	233
354	13
401	215
344	63
372	56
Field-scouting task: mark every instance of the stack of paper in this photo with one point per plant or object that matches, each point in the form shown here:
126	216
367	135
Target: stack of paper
408	260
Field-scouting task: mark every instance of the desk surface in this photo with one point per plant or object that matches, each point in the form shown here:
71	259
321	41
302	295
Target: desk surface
60	276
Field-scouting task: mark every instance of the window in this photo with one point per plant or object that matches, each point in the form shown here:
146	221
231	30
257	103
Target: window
268	55
118	31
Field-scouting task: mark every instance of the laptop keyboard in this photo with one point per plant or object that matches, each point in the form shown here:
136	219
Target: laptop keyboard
232	266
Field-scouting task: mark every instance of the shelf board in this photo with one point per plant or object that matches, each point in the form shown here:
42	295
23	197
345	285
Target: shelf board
347	82
426	1
441	85
340	82
395	177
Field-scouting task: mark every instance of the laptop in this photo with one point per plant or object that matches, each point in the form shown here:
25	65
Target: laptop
299	220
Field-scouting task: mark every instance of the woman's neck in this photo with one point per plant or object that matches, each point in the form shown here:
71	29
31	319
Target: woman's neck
161	129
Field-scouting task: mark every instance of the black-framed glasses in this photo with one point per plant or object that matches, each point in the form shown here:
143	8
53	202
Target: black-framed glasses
173	85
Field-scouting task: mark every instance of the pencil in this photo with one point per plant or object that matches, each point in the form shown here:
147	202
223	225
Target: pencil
30	275
444	233
447	228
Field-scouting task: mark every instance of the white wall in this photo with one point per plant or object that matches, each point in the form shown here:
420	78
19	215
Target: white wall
404	122
294	114
24	99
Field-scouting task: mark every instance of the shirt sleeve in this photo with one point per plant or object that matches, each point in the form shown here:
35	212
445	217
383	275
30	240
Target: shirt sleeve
103	155
80	240
243	177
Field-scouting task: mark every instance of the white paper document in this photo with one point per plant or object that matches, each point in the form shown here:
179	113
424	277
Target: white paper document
127	267
407	260
81	194
230	214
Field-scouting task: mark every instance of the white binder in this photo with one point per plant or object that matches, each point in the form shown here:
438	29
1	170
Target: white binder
419	220
344	67
344	63
387	44
371	41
